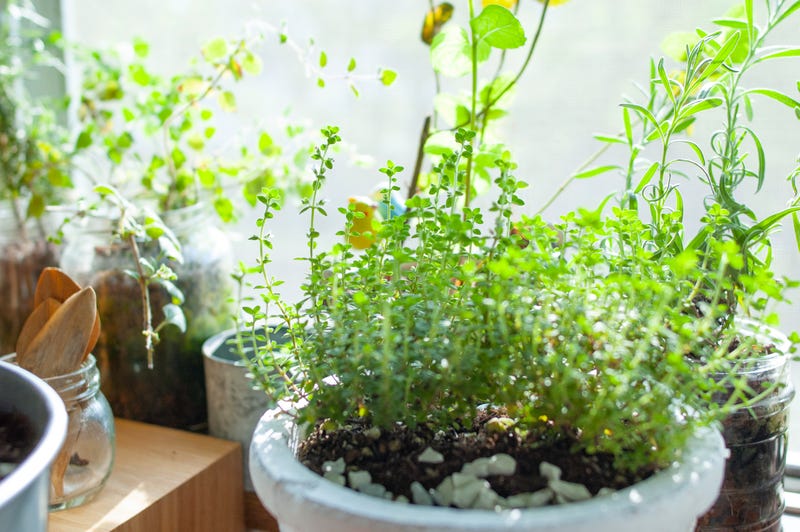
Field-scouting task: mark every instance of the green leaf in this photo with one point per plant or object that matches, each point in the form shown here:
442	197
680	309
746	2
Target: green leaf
224	208
140	47
388	76
794	7
699	105
193	86
323	59
644	113
731	23
498	27
351	65
675	45
227	101
35	207
451	53
215	50
762	159
206	177
788	52
84	139
776	95
265	143
139	74
646	178
608	139
251	64
595	171
173	315
665	81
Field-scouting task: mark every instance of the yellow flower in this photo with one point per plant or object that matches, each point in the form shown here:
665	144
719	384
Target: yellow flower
555	2
434	19
508	4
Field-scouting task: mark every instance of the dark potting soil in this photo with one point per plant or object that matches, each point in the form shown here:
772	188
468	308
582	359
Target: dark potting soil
17	439
391	458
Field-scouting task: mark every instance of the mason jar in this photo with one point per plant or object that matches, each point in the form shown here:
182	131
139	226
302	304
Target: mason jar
84	463
24	253
751	497
172	392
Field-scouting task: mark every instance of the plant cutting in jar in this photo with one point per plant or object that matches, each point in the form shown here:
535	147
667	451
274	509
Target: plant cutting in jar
160	265
34	165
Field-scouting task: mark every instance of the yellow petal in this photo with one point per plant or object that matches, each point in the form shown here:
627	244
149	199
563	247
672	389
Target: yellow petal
555	2
434	19
364	229
508	4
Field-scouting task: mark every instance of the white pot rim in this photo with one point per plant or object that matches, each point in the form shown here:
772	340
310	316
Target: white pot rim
293	493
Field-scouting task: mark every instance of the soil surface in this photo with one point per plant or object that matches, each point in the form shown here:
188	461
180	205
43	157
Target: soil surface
391	457
16	439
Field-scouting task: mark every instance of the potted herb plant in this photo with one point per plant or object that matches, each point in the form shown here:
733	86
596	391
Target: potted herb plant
34	165
710	80
445	347
379	335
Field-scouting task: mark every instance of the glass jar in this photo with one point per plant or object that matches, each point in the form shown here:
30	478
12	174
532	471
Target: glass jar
84	463
24	253
172	392
751	497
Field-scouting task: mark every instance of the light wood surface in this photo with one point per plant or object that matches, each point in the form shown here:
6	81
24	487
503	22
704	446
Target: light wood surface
164	480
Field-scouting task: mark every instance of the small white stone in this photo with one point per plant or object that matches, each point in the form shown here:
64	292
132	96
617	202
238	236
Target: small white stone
356	479
466	490
376	490
502	464
443	494
420	495
570	490
478	467
402	499
334	466
430	456
373	433
487	499
336	478
549	471
605	491
530	500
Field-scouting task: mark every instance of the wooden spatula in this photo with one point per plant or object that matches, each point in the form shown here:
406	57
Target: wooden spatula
35	322
54	283
60	345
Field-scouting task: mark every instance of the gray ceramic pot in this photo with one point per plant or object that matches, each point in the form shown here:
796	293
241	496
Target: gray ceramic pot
24	494
234	407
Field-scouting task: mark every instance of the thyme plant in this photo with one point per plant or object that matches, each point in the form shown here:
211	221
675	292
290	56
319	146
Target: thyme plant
572	328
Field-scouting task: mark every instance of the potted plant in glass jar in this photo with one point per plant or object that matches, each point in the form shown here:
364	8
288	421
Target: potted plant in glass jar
35	167
156	256
709	82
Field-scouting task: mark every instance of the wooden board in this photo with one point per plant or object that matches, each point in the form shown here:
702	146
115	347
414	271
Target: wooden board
164	479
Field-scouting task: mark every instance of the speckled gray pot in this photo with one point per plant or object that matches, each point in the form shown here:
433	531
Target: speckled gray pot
234	407
24	494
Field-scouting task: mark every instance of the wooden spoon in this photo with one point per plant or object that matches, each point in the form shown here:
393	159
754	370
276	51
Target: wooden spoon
35	322
54	283
60	345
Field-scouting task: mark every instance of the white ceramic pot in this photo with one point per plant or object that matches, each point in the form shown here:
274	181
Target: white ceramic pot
301	500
